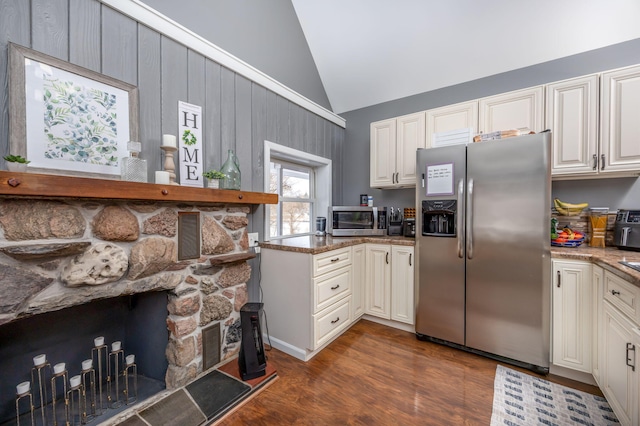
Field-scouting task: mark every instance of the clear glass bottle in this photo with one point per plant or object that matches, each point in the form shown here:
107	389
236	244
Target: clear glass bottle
133	168
232	170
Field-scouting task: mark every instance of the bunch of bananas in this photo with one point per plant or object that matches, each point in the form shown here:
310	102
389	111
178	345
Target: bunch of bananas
568	209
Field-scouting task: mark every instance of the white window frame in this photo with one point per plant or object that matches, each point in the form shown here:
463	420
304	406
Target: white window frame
323	180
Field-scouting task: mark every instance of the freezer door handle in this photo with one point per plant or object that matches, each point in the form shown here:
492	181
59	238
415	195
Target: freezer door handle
459	231
469	219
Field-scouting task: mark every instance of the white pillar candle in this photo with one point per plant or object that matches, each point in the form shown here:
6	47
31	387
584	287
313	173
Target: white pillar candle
74	381
130	359
115	346
169	140
162	177
23	388
98	341
87	364
59	368
39	360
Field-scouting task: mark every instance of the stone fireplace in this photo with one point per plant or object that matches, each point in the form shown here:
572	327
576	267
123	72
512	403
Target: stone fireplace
73	261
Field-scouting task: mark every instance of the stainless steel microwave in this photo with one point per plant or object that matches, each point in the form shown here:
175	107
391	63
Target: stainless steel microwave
353	221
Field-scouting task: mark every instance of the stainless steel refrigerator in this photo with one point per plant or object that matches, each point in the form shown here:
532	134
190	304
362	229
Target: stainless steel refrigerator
482	238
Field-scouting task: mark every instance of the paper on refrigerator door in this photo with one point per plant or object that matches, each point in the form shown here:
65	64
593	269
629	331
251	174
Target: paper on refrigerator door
440	179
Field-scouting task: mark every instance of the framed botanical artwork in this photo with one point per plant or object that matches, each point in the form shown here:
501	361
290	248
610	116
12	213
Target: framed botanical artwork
66	119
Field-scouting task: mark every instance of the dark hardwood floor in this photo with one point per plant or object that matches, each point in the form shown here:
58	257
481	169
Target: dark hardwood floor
376	375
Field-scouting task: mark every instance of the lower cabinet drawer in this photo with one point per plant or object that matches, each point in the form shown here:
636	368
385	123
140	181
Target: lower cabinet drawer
331	321
328	288
623	295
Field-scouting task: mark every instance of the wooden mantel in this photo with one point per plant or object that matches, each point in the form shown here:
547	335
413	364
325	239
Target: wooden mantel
34	185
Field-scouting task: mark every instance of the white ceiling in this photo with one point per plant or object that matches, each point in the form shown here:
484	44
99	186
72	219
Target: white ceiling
373	51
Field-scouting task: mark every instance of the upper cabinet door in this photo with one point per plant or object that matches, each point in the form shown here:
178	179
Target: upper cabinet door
572	116
513	110
620	133
383	153
410	137
452	117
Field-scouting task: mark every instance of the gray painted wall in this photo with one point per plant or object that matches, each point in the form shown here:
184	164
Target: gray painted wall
239	114
612	193
265	34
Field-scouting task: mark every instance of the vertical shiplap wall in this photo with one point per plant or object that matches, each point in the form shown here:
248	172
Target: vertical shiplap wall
238	114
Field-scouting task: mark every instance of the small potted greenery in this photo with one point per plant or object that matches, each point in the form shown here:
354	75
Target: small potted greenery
16	163
213	178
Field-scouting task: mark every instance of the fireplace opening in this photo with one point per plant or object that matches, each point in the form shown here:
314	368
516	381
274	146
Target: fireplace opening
138	321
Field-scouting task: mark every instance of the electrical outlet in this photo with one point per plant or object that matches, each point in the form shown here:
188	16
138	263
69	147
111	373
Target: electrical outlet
253	239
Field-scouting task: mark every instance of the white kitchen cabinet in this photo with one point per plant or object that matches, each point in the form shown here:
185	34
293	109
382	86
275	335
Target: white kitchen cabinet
358	279
307	298
402	284
389	289
572	117
378	280
572	315
620	126
512	110
451	117
618	380
393	150
597	285
619	342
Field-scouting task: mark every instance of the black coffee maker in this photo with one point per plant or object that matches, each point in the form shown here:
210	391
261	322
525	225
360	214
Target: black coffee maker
252	359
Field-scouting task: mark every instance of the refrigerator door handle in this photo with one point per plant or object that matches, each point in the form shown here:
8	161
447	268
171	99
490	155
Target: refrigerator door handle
469	227
459	225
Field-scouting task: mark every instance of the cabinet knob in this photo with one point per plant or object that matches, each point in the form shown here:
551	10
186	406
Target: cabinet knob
615	292
335	260
558	279
335	320
335	287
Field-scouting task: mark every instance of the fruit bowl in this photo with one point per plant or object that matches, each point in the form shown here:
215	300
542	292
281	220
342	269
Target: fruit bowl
567	243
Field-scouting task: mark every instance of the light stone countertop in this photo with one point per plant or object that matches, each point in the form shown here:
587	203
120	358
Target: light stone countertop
316	245
607	258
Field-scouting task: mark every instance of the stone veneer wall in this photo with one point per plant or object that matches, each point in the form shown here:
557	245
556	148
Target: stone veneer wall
57	254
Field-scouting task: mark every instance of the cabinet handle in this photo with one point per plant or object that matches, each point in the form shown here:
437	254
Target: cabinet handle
558	279
615	292
410	258
602	161
335	260
595	162
336	287
387	258
335	320
393	178
397	177
631	348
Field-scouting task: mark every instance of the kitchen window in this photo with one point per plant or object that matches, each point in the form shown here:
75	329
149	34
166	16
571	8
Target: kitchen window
303	184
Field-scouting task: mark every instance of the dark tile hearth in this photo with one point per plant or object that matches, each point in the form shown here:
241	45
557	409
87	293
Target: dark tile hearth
216	392
204	400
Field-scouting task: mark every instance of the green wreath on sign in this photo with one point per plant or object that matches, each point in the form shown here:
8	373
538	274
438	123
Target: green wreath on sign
189	138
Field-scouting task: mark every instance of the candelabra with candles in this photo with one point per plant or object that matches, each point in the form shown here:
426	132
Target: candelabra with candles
99	355
59	374
23	392
38	376
116	358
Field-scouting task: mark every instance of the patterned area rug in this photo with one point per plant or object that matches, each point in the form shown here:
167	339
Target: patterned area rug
524	400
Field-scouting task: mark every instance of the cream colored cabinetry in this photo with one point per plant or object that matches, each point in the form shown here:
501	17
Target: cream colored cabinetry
451	117
402	284
572	117
619	344
512	110
597	285
389	289
307	298
358	279
393	150
620	128
572	315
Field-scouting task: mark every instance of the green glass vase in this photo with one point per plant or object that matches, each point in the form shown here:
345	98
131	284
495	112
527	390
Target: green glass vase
232	170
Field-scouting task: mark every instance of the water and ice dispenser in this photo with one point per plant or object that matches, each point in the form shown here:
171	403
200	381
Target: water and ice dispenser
439	218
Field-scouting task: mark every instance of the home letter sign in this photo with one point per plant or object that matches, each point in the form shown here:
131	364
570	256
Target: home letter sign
190	145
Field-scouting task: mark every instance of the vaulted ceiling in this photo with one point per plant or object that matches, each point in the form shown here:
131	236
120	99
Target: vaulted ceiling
373	51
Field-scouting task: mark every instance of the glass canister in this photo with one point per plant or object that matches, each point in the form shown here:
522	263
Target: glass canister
598	226
232	170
